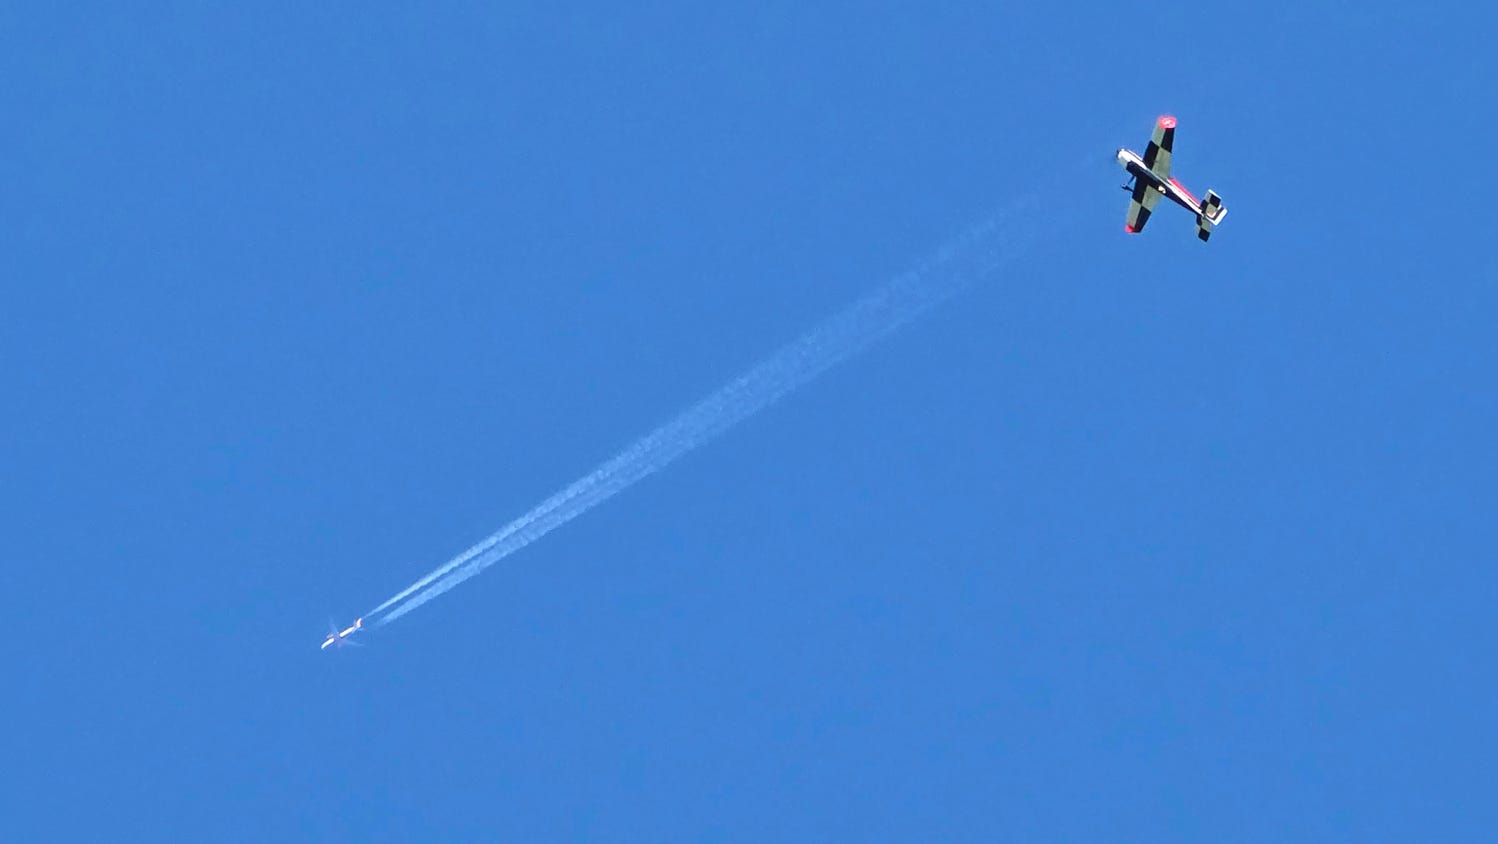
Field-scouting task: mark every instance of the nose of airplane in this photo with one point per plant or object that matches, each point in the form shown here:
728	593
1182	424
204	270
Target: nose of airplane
1122	159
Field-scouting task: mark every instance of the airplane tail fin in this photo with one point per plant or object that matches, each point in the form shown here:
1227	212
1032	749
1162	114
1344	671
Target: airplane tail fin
1212	213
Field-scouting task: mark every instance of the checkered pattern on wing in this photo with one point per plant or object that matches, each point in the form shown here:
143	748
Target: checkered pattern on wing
1157	154
1141	203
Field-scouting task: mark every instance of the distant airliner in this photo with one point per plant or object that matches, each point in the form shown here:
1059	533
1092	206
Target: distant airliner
338	638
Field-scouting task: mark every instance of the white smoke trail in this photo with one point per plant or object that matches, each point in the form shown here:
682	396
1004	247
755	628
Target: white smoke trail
954	267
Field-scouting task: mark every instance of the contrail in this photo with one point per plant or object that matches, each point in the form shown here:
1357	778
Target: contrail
953	268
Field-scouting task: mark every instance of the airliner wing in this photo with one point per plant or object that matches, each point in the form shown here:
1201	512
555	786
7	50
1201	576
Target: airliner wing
1157	154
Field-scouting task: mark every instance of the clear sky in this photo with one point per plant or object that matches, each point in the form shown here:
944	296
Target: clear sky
1138	540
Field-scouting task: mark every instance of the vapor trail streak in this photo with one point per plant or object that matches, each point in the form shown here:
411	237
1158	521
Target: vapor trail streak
896	303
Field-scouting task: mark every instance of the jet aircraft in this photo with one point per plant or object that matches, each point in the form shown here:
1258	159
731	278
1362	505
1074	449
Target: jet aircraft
1149	179
338	638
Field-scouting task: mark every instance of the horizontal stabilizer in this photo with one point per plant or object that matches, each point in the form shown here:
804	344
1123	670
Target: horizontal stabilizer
1213	209
1212	213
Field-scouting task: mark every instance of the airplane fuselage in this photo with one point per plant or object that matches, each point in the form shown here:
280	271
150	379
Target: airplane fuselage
1134	164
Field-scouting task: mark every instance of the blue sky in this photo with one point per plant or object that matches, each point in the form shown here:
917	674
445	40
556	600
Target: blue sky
1138	540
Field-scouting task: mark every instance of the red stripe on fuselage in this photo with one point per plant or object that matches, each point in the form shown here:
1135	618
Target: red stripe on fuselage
1183	190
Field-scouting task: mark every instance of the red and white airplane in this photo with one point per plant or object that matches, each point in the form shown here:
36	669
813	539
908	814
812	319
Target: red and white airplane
1149	179
337	638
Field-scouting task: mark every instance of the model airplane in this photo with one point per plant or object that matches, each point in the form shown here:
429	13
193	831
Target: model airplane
337	638
1149	179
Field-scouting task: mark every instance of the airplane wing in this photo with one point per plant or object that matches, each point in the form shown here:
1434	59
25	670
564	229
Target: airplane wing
1141	203
1157	154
